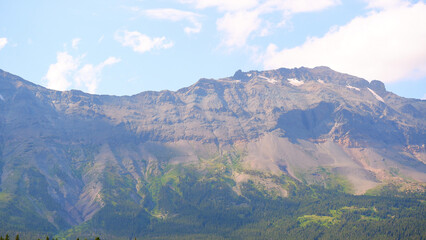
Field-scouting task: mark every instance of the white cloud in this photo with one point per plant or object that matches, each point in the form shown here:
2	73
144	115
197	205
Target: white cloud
297	6
75	43
66	73
141	43
110	61
58	74
3	42
385	4
176	15
424	97
237	27
195	29
223	5
292	6
133	9
90	76
247	18
388	45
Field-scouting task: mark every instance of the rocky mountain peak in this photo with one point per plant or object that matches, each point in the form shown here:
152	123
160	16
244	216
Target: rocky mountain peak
378	87
317	74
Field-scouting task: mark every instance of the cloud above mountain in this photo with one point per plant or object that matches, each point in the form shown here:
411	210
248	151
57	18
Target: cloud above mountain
242	20
67	73
176	15
142	43
90	75
387	44
59	73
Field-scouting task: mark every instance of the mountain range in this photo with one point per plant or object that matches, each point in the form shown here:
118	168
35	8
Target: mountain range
69	161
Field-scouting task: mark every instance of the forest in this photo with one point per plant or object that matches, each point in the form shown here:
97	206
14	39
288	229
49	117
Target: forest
211	210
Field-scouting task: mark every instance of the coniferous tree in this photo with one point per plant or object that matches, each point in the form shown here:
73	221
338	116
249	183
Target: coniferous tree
1	238
17	237
7	237
47	238
97	238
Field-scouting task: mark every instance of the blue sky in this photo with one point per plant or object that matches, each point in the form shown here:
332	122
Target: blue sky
124	47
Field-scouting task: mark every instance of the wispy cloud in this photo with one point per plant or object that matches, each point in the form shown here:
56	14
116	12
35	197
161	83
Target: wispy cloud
388	45
293	6
223	5
3	42
101	38
176	15
75	42
243	19
301	6
140	42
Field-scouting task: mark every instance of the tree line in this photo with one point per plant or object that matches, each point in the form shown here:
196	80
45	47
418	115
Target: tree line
47	238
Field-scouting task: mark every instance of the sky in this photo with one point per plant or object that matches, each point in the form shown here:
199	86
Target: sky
123	47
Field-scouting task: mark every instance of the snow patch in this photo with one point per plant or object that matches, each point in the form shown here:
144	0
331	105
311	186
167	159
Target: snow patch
376	95
249	74
295	82
2	98
273	81
320	81
354	88
228	80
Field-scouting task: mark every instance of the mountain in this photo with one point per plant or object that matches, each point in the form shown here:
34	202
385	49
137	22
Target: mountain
71	161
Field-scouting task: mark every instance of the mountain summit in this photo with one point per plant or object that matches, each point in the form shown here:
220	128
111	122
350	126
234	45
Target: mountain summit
68	156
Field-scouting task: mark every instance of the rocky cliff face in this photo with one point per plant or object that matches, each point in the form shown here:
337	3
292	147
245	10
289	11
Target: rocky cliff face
68	154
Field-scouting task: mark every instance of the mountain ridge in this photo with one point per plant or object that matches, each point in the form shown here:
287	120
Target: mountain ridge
377	85
312	126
